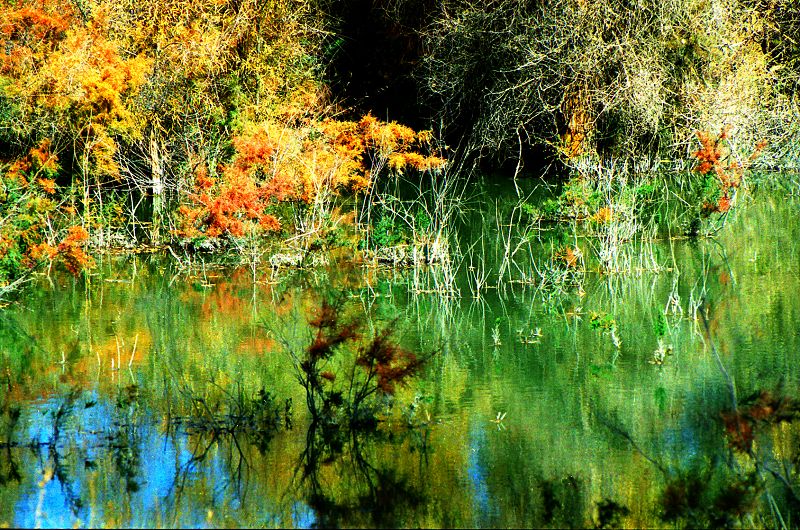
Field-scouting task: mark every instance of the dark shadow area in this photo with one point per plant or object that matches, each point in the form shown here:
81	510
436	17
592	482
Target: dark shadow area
374	56
376	66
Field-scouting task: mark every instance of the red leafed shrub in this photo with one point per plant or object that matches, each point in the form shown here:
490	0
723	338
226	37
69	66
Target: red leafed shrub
714	159
236	207
71	251
371	367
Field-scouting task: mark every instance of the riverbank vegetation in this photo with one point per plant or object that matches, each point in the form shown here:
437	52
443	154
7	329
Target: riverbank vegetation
232	127
180	123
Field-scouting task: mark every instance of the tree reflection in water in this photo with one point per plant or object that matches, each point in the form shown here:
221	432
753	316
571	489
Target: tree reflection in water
365	492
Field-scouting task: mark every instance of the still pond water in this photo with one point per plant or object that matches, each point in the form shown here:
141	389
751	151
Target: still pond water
597	401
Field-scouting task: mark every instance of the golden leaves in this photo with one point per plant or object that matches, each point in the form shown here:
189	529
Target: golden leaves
87	74
47	185
603	216
278	162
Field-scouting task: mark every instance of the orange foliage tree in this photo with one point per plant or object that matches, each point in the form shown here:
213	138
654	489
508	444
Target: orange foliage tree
215	66
63	79
135	87
215	108
73	81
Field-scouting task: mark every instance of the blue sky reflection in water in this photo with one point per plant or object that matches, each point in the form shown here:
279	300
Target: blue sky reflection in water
161	465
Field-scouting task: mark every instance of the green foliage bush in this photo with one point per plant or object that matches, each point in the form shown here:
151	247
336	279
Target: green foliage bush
386	233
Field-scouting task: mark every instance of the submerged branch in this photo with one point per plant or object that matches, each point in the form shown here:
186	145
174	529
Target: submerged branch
728	379
624	434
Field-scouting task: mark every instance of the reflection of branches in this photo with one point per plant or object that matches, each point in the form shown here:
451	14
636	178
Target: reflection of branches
728	379
361	467
256	419
9	468
7	290
374	366
55	463
740	428
724	255
383	493
200	452
259	416
619	431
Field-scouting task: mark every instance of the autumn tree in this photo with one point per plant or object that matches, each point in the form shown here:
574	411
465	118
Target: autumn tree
71	86
214	67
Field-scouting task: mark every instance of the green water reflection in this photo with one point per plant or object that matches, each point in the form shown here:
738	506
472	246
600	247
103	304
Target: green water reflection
529	414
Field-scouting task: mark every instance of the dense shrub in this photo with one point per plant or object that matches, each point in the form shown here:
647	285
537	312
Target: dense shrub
609	77
216	110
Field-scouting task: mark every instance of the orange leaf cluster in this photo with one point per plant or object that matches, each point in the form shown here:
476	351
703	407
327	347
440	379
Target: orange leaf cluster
71	250
47	185
72	75
277	162
43	158
569	256
399	144
30	168
710	152
16	173
203	180
714	156
41	252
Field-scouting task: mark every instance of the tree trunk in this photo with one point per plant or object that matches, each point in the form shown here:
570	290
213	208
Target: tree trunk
576	109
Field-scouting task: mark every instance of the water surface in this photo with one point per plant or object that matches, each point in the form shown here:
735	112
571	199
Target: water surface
539	407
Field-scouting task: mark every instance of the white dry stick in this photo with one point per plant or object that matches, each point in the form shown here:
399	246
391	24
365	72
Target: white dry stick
118	355
133	352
